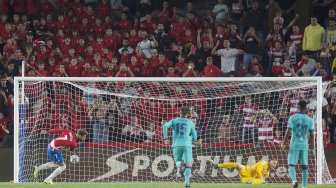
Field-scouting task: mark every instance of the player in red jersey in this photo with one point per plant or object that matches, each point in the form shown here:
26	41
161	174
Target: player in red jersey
66	139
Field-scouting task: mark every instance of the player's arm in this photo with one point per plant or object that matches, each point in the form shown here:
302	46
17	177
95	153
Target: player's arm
56	131
311	136
288	133
193	132
72	147
165	129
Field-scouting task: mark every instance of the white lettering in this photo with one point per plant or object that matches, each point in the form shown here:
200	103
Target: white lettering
203	163
229	172
170	162
281	172
141	162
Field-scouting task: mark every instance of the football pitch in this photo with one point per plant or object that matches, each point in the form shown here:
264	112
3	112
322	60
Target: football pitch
149	185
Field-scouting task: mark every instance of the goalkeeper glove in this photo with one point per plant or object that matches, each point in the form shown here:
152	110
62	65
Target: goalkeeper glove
213	164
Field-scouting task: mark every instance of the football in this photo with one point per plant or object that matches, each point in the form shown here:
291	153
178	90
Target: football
74	159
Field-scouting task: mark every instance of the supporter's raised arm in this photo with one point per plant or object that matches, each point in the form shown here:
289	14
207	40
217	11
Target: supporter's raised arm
214	50
199	45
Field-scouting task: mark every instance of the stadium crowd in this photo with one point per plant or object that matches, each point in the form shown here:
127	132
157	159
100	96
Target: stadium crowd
126	38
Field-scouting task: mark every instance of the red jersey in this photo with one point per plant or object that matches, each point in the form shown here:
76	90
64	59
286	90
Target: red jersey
110	42
19	7
31	7
193	73
296	39
74	70
326	136
124	74
249	111
180	67
4	7
66	139
265	128
3	122
103	10
211	71
293	102
146	71
278	55
124	25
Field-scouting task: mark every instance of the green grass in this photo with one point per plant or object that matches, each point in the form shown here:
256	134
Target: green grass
149	185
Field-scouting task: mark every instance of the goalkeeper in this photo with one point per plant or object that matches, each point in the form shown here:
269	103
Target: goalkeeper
255	174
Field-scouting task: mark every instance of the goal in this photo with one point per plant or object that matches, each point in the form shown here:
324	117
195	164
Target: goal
238	119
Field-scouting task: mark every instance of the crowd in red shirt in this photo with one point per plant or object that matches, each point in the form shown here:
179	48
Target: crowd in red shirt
74	39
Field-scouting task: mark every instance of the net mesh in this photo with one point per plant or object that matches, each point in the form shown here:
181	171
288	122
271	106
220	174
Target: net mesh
237	121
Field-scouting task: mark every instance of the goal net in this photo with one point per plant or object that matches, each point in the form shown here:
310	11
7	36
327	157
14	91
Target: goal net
240	120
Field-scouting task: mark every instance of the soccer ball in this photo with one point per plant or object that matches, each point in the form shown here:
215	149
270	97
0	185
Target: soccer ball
74	159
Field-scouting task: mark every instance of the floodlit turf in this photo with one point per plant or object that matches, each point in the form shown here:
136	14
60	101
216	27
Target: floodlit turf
149	185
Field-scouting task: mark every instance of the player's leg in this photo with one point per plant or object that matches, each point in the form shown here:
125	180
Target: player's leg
293	156
44	167
225	165
178	155
188	158
304	163
52	157
245	174
61	167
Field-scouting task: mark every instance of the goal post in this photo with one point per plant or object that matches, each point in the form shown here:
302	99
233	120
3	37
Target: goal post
115	154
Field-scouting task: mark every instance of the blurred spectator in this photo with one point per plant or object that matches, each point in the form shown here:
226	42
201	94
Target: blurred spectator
164	14
6	87
124	71
211	70
99	121
265	121
144	8
313	36
227	132
331	15
252	45
147	44
278	138
150	132
171	72
272	8
282	117
3	124
130	38
125	47
283	71
249	133
329	38
134	132
255	19
190	72
255	71
221	11
326	133
228	57
163	39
